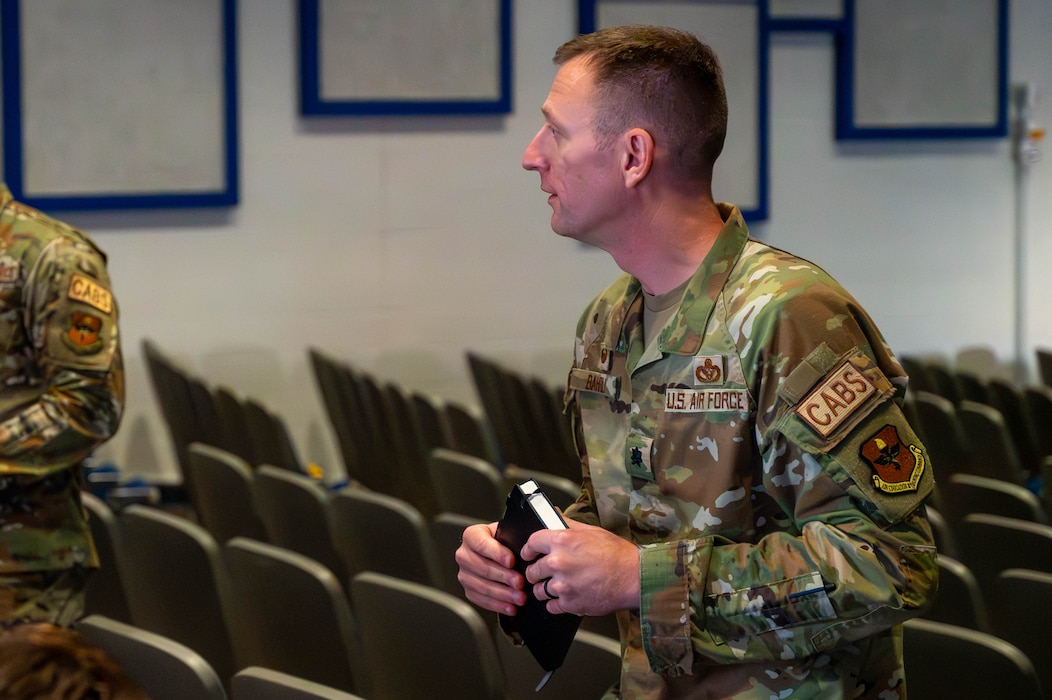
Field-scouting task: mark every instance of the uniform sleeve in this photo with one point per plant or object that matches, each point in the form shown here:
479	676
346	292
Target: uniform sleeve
71	321
853	554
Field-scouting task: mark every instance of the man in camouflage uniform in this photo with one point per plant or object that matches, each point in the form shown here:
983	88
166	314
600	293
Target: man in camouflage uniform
753	497
61	394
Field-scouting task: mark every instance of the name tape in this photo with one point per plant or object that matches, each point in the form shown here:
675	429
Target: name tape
705	400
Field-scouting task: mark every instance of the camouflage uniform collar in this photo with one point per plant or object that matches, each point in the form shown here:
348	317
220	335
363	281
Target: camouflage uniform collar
683	336
5	195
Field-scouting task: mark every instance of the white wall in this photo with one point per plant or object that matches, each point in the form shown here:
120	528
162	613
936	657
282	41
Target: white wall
398	244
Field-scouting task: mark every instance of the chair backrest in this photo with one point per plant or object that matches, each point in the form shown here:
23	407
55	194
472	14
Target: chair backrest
940	430
591	668
559	438
223	497
256	683
973	387
991	450
935	653
165	669
407	449
466	485
171	388
959	600
104	594
233	425
497	410
991	544
917	370
175	582
945	540
291	615
373	430
468	431
334	383
446	653
1044	365
1024	616
1038	403
293	508
945	381
377	532
271	440
206	413
1007	397
969	493
446	532
978	360
430	420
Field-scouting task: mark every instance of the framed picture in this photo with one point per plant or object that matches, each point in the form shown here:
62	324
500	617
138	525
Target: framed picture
735	30
116	104
933	69
800	9
389	57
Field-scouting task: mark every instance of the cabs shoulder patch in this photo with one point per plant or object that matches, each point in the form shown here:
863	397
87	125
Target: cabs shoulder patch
90	292
830	403
898	466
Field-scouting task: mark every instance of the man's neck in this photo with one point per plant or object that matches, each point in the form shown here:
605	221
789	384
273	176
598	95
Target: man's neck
666	251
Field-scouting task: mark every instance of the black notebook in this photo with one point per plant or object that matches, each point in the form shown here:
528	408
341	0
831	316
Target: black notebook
547	636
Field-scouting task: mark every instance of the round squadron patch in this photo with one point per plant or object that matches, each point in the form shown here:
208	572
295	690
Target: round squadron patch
83	335
898	466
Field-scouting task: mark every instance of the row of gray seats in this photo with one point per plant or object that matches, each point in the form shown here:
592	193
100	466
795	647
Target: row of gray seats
167	670
252	603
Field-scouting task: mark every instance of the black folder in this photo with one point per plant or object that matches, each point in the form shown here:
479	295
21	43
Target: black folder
547	636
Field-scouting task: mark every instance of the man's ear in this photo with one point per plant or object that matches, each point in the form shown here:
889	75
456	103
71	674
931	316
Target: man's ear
638	155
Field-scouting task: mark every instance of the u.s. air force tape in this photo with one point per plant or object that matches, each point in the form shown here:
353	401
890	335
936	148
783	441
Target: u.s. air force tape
705	400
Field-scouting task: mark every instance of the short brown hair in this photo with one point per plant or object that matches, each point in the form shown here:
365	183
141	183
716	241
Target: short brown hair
664	80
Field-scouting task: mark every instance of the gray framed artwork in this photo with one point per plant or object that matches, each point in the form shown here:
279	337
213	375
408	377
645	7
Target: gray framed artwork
390	57
135	108
932	69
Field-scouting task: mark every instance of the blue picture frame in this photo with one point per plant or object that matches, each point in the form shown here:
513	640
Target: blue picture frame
954	103
387	100
756	208
208	181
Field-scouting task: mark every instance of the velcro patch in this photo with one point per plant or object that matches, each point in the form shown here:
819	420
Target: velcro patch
836	398
705	400
90	292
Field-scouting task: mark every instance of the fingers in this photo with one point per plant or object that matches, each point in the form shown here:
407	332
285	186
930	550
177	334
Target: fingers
491	595
539	544
548	590
486	573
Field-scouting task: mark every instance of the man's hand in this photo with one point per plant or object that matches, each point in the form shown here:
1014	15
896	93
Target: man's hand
592	571
486	571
